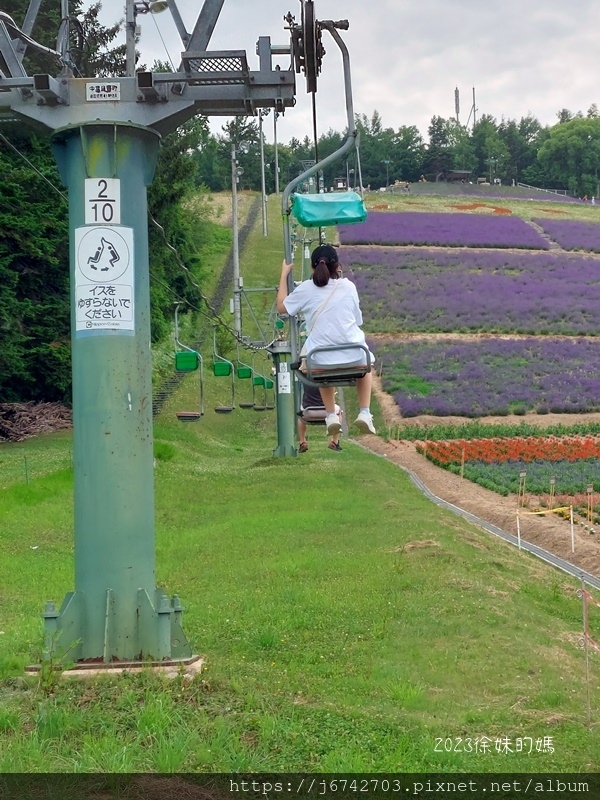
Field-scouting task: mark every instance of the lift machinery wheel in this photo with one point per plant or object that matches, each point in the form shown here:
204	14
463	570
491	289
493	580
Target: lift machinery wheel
312	46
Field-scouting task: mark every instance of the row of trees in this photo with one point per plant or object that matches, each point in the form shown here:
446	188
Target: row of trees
563	156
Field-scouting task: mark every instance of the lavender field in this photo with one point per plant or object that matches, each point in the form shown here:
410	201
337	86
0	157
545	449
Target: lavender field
477	273
426	290
491	376
573	234
449	230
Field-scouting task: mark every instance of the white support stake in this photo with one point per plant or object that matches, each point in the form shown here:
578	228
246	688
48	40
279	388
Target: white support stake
518	531
572	532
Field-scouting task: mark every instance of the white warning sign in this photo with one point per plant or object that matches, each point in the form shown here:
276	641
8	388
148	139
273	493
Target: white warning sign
104	278
284	383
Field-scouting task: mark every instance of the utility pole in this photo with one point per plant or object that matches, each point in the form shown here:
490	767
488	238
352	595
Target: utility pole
237	312
105	136
386	161
130	23
275	115
263	190
236	171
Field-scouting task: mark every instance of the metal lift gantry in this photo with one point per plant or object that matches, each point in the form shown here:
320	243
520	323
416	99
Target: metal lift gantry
105	136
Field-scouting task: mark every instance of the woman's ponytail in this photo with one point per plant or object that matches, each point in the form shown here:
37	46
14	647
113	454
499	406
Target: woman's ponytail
325	264
322	273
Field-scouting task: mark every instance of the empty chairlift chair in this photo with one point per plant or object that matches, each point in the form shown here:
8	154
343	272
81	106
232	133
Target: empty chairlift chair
223	368
188	360
246	372
259	381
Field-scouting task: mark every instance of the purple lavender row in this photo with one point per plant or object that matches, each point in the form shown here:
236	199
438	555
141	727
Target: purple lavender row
573	234
469	290
491	376
457	230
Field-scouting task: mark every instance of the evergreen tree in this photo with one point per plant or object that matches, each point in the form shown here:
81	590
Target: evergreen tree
408	151
570	156
490	150
439	158
34	274
463	152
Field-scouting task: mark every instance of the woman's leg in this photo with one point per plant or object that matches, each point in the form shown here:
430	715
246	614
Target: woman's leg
363	390
328	398
301	430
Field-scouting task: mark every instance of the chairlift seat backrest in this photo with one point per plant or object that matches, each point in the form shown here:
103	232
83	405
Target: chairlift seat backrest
333	208
221	369
186	361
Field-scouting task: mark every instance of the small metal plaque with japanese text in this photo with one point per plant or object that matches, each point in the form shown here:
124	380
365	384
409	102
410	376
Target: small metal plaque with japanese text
104	91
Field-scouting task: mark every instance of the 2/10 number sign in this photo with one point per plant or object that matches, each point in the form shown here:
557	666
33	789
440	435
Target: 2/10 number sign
102	201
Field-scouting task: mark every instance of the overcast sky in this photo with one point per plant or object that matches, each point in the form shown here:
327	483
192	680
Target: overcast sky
407	57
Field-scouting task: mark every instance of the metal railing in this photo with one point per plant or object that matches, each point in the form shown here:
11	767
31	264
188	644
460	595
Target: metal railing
562	192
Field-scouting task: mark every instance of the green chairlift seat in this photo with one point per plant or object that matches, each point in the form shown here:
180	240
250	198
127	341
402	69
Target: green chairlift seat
186	361
270	387
259	381
267	385
223	368
244	372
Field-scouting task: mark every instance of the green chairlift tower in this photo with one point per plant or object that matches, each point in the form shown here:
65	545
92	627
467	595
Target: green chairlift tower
106	136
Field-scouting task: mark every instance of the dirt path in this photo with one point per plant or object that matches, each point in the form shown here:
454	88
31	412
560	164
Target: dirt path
548	531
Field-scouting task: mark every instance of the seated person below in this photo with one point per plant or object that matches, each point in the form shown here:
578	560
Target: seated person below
331	309
313	410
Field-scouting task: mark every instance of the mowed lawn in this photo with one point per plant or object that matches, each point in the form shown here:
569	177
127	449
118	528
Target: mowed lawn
347	623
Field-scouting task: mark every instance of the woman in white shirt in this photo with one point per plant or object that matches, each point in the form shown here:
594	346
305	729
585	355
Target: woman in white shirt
333	317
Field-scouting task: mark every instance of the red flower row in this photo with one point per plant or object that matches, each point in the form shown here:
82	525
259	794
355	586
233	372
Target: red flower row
533	448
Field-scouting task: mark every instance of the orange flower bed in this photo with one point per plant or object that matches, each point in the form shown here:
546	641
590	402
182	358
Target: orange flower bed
474	206
551	448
